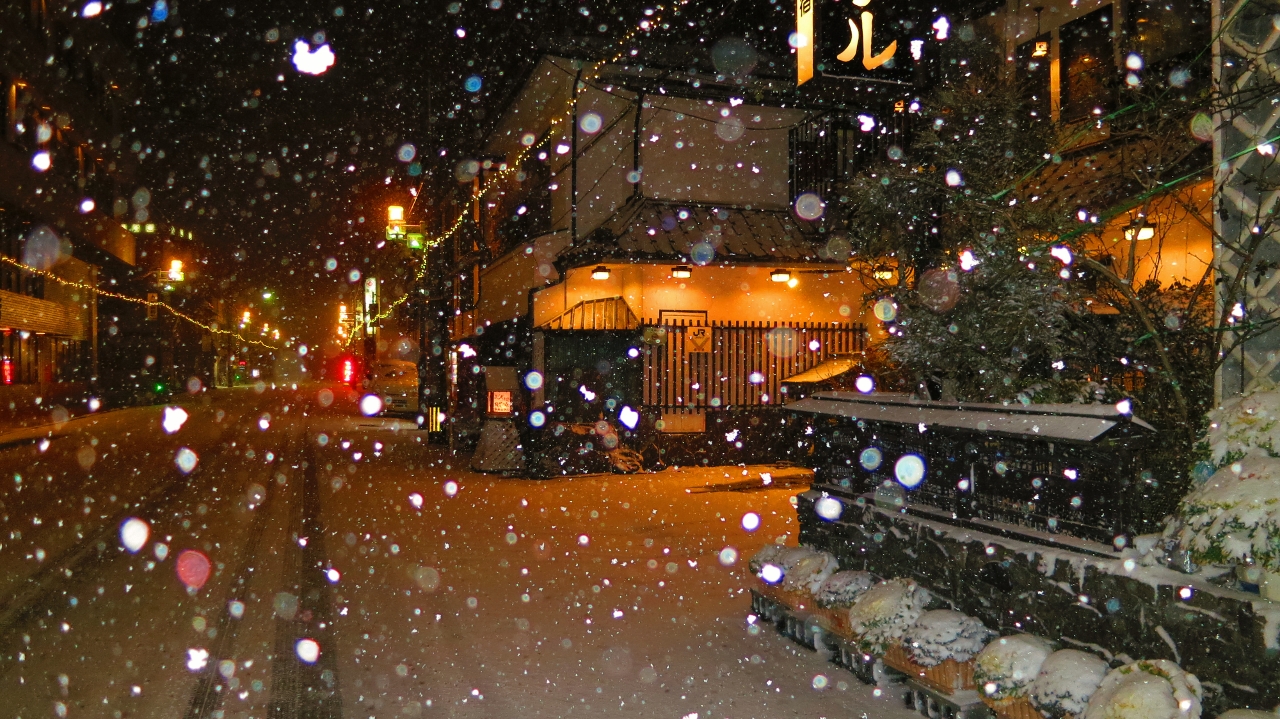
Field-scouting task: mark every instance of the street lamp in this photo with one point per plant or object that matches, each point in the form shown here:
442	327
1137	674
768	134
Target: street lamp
681	272
600	273
780	275
175	271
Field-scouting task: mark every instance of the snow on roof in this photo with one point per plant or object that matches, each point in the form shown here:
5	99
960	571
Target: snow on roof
825	371
1070	422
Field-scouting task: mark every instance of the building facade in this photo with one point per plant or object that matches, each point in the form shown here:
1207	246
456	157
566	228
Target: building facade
66	173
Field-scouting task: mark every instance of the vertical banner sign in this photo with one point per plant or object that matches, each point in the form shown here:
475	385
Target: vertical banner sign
370	304
804	40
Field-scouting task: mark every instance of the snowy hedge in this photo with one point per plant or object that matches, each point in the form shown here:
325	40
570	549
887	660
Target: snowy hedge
842	589
768	554
882	614
809	571
1149	689
1235	514
1067	679
1007	666
944	634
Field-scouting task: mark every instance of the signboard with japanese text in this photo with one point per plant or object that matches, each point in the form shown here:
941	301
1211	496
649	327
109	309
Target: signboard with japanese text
874	40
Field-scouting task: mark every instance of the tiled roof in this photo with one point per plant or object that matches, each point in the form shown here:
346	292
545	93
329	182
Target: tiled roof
664	231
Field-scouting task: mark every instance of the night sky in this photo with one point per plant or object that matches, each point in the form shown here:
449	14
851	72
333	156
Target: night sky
273	168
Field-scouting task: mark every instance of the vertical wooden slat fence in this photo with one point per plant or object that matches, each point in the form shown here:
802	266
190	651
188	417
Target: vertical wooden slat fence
745	364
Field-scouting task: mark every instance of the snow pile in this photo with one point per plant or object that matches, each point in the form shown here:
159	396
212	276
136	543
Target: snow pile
842	589
768	554
1246	425
944	634
1067	679
1149	689
809	572
1235	515
1008	666
882	614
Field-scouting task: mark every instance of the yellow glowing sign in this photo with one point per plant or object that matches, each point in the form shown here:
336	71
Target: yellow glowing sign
870	61
804	40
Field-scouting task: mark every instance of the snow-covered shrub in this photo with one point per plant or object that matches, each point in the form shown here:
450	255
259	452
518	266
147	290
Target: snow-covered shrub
882	614
792	556
810	572
1067	679
843	588
768	554
1235	514
1008	665
944	634
1245	425
1148	689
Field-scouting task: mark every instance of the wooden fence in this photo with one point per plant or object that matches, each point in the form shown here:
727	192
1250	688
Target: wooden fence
735	364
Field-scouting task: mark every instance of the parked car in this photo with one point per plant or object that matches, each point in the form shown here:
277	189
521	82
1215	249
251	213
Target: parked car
396	381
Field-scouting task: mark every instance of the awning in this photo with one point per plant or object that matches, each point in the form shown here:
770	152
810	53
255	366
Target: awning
825	371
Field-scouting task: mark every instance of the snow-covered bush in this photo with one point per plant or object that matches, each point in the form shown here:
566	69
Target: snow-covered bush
1008	665
768	554
843	588
1245	425
944	634
809	572
882	614
1148	689
1067	679
1235	514
792	556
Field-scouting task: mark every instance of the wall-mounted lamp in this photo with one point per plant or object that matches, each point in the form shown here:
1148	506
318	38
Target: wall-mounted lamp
600	273
780	275
1140	232
681	272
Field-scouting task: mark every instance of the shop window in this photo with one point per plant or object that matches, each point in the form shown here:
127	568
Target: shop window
1166	29
1088	65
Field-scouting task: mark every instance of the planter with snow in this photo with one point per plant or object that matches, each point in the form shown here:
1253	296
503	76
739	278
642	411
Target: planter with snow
938	650
1148	689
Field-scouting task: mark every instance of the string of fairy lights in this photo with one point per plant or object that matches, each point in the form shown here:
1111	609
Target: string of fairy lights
512	167
126	298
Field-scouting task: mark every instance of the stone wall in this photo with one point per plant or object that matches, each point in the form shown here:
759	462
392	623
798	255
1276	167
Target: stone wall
1120	609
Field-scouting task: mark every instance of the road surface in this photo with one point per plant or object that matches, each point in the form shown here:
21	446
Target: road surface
356	571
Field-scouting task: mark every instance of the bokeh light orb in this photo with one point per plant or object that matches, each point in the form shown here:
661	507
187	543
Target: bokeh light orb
909	470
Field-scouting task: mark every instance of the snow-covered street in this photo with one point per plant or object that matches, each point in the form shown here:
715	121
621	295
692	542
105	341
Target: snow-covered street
426	588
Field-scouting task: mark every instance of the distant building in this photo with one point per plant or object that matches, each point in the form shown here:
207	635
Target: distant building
652	266
65	172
